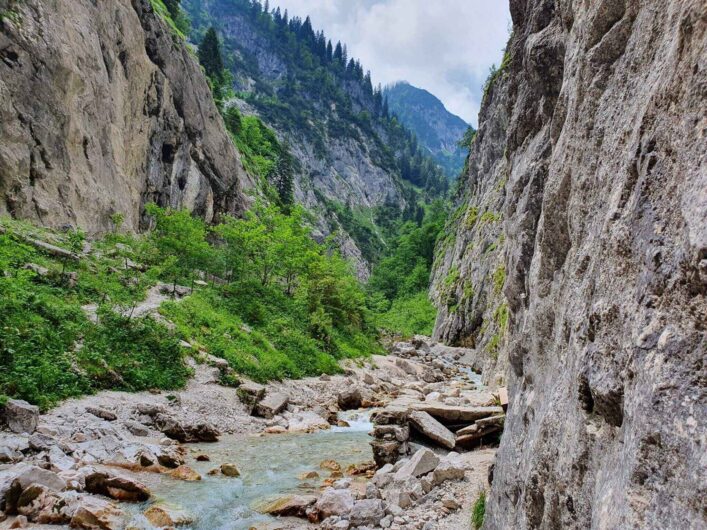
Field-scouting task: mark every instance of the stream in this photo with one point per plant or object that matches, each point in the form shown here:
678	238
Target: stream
269	467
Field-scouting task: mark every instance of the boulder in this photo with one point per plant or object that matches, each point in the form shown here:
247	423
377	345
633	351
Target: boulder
136	428
432	429
20	416
390	416
116	487
456	413
9	455
397	497
400	433
185	473
350	399
450	468
27	475
334	502
149	409
94	513
165	514
422	462
186	432
307	422
230	470
366	512
406	366
288	505
250	393
387	452
102	413
271	405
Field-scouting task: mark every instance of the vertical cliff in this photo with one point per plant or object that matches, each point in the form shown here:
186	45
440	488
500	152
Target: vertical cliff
103	109
591	156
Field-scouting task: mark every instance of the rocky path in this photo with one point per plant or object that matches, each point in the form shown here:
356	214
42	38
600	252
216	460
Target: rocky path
80	463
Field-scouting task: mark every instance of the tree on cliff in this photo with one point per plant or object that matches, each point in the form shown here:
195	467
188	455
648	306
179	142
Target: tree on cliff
210	55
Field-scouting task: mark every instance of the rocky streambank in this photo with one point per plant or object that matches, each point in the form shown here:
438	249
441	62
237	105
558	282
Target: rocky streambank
94	462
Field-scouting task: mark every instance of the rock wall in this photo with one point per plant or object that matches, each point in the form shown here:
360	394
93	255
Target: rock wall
102	109
591	149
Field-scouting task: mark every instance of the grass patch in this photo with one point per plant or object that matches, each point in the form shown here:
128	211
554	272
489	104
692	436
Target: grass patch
478	511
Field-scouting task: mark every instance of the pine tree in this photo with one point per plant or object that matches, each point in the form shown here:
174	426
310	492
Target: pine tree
339	53
329	51
210	55
173	8
266	7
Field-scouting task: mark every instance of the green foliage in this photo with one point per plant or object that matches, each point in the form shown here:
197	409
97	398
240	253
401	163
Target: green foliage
173	15
478	511
288	307
264	156
397	289
210	55
49	350
409	316
178	244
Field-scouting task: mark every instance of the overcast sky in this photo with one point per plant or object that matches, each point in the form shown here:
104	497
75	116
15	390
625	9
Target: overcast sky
444	46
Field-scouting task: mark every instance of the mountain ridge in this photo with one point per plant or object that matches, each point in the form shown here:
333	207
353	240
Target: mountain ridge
437	129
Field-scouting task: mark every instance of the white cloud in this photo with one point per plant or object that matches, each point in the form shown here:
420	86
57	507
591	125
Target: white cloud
444	46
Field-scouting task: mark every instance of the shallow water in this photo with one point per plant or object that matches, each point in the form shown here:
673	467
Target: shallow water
269	466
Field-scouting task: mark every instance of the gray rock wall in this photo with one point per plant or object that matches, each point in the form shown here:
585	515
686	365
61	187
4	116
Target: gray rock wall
102	109
592	147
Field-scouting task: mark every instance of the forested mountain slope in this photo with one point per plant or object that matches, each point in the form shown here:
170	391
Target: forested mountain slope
437	130
351	157
575	264
107	111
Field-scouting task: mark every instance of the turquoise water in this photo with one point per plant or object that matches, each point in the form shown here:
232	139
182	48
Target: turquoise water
269	466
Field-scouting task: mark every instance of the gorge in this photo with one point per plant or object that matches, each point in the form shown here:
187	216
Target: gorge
218	281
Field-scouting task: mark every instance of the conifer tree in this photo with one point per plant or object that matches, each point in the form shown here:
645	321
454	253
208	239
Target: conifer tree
210	55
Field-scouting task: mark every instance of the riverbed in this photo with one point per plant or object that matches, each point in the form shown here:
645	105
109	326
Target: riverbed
269	467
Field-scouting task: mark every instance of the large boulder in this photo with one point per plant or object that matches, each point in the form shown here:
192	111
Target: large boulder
432	429
94	513
20	416
288	505
367	512
165	514
422	462
334	502
456	413
185	431
116	487
450	468
271	405
350	399
250	394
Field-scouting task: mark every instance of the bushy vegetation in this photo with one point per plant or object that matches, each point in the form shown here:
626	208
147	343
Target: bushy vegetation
50	350
399	283
276	305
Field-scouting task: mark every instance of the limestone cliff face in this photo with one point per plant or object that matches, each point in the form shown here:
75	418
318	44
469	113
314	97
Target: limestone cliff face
102	109
591	149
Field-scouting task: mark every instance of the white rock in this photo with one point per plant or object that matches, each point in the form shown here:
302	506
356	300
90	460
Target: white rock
421	463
